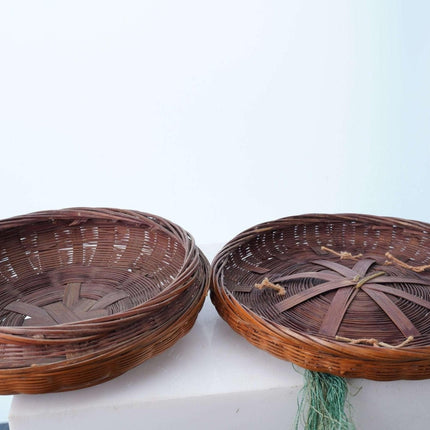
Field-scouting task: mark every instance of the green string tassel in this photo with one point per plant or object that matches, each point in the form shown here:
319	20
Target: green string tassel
322	403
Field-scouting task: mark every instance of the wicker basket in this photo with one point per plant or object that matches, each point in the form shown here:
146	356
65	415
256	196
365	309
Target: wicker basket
86	294
342	294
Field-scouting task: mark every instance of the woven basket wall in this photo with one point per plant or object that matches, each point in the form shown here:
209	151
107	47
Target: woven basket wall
86	294
342	294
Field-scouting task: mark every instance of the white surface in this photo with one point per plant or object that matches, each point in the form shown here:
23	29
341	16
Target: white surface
216	115
210	373
213	379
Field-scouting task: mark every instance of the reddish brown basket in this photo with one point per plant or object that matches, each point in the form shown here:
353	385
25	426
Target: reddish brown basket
86	294
342	294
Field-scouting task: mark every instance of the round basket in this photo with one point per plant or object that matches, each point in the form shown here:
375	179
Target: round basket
86	294
342	294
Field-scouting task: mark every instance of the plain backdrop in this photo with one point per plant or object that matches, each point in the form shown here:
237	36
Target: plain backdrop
217	115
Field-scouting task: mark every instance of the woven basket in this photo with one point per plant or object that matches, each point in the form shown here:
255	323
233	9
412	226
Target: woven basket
342	294
86	294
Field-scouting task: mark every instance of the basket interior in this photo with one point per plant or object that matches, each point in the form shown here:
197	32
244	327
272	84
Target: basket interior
55	272
291	248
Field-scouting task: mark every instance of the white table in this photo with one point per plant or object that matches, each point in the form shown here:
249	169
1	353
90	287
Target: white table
212	379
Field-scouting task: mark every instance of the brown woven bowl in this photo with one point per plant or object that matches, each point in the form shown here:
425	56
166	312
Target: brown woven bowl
83	366
342	294
86	294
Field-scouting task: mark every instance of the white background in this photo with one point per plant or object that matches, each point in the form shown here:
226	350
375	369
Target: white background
217	115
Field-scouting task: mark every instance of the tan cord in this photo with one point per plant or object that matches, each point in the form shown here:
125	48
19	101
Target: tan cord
343	255
368	278
267	284
392	259
404	343
364	341
374	342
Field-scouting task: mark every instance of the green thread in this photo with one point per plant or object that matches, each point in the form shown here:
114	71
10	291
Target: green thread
322	403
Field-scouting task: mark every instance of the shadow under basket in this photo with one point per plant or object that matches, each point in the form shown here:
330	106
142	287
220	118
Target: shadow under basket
347	295
89	293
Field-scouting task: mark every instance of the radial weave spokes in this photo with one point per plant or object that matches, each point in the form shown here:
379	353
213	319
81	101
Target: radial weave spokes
346	282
